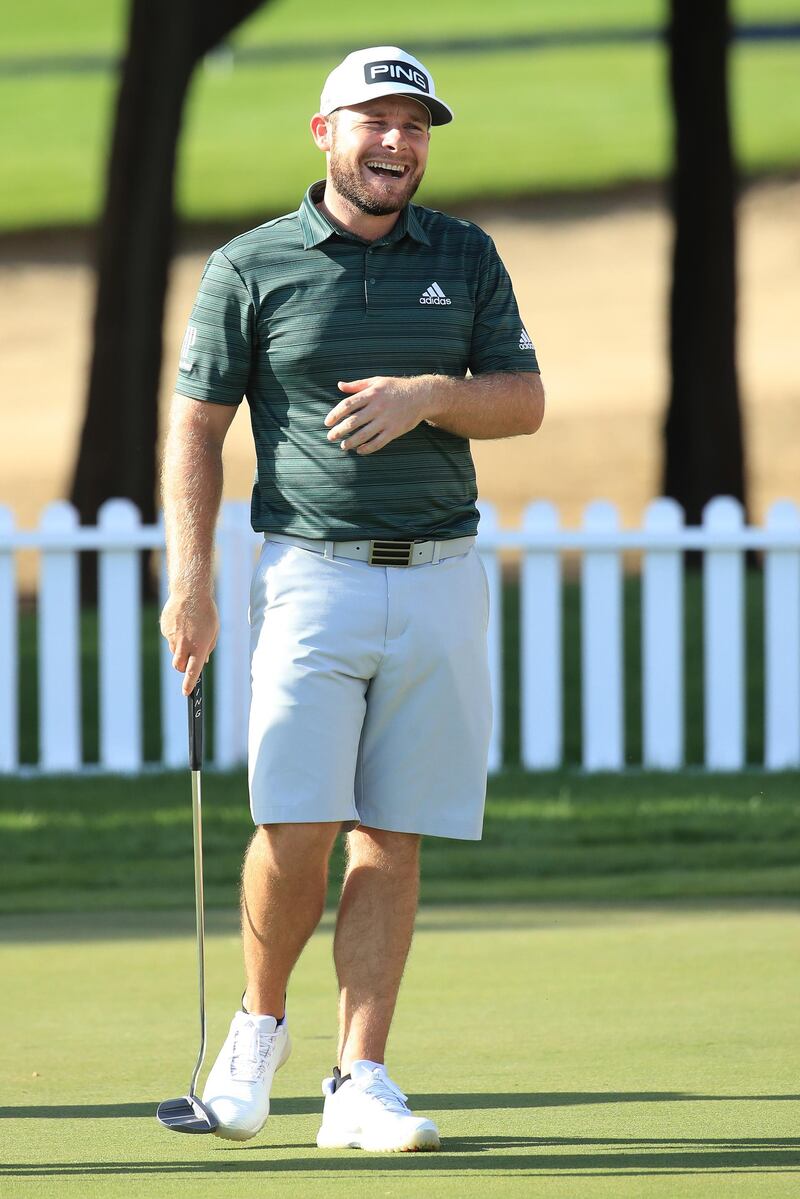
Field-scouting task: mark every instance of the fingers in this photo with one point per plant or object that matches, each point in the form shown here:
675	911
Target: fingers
359	392
375	443
189	657
194	667
345	408
354	385
187	654
349	426
369	434
191	636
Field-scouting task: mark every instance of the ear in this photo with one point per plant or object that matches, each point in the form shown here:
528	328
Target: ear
321	131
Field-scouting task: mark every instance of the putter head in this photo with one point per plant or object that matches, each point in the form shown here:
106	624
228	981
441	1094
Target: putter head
186	1114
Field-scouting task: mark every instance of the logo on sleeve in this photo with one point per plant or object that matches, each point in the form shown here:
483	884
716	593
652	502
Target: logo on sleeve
186	363
525	342
398	72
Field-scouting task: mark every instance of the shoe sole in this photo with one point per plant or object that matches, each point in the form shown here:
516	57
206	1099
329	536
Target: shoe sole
230	1132
425	1141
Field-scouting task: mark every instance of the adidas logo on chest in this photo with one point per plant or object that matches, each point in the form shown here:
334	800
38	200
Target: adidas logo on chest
434	295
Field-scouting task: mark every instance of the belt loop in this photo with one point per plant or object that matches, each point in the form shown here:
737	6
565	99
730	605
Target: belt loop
329	549
437	550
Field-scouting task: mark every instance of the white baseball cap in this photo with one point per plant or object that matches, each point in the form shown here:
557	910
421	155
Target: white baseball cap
382	71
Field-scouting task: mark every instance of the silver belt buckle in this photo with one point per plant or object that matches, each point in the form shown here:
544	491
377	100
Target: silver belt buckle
390	553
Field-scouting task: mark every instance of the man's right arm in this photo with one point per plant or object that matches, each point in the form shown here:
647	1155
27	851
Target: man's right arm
191	490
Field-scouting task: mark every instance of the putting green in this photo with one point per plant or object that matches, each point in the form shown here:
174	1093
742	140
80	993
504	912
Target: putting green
565	1052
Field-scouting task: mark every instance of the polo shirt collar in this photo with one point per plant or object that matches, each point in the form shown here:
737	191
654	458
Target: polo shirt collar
316	228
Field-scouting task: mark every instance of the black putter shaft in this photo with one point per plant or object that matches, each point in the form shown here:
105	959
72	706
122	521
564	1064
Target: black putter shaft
188	1114
196	765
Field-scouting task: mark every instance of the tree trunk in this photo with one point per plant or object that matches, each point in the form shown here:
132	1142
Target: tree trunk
117	453
704	454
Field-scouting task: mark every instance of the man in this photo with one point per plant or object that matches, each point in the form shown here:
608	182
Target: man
350	326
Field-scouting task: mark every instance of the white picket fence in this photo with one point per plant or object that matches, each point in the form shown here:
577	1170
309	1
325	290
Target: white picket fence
540	541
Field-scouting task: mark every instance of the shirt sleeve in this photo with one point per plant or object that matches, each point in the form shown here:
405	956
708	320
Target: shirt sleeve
500	341
217	347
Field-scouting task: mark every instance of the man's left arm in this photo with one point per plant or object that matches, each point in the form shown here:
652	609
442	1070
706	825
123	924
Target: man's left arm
377	410
500	404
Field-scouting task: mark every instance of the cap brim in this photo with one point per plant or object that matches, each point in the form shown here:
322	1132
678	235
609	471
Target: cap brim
439	111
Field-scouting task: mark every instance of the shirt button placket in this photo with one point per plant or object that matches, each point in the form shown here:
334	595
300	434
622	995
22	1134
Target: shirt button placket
369	280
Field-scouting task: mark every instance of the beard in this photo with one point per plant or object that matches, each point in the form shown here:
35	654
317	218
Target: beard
376	198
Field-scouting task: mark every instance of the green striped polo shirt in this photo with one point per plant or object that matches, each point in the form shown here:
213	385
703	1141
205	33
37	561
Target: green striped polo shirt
288	309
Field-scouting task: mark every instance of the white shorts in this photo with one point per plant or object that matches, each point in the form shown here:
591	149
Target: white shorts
370	692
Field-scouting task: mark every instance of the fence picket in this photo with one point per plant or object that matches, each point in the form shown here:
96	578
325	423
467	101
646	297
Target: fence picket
9	653
488	529
59	643
235	546
782	644
723	637
173	702
540	637
662	643
601	646
119	640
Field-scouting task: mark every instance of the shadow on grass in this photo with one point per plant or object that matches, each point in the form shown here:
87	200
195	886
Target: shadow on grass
307	1106
624	1157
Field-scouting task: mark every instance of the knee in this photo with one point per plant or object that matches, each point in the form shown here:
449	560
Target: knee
287	848
381	848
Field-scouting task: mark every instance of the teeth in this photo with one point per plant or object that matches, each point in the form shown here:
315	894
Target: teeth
387	166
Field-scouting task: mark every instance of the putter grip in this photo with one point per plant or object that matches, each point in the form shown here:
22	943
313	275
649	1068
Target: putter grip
196	726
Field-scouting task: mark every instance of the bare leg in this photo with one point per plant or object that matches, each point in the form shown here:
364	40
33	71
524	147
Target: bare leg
284	880
373	935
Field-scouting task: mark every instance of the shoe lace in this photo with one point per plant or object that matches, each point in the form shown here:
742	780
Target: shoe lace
387	1093
250	1053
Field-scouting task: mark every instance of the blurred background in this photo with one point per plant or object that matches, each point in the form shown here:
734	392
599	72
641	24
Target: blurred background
563	147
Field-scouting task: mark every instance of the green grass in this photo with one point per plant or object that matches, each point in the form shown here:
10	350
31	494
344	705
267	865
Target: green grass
565	1052
95	26
566	119
97	843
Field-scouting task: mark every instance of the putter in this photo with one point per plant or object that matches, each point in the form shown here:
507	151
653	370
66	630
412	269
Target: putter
188	1114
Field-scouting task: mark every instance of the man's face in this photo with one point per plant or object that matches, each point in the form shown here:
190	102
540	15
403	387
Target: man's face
378	153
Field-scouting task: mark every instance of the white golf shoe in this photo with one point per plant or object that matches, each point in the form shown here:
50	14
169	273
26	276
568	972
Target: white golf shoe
369	1111
237	1089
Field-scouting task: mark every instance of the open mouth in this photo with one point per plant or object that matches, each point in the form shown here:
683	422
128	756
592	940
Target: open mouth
386	170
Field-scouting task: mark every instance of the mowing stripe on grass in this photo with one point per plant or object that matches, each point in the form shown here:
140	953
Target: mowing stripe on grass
94	843
563	1052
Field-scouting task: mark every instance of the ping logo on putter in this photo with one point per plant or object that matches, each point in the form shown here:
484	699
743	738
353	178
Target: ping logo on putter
398	72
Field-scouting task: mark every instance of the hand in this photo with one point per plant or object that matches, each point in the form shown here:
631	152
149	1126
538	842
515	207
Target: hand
190	626
376	411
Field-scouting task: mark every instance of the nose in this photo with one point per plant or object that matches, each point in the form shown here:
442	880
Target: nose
394	138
